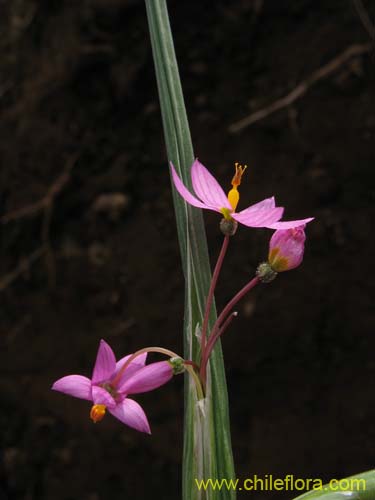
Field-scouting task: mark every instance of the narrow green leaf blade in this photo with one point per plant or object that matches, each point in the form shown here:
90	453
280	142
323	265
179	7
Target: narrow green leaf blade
218	462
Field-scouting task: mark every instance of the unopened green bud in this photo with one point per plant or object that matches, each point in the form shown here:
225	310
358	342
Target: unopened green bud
265	273
177	364
228	226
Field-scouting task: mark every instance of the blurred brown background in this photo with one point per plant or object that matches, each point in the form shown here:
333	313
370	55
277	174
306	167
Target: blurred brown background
89	246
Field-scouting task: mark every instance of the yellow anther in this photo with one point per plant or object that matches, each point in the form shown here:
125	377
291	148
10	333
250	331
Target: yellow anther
234	195
97	413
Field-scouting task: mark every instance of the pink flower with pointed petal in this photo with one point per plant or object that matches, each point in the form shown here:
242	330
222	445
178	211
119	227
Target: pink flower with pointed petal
210	196
286	249
108	387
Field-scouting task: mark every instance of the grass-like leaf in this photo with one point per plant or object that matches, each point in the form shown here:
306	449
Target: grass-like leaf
207	445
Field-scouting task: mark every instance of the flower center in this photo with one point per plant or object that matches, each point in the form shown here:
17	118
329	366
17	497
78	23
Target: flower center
97	413
233	195
109	388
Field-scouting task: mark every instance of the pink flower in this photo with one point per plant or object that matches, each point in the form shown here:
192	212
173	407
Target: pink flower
286	249
108	388
209	195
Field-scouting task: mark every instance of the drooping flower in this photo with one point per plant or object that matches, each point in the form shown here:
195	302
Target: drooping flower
110	386
286	249
210	196
285	252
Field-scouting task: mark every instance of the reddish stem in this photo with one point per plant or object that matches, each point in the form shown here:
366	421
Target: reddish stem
210	296
221	324
191	363
216	334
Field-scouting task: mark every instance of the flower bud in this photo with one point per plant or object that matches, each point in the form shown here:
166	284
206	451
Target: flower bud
228	226
286	248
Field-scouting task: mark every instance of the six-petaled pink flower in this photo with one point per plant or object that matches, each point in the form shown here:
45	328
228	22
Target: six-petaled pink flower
210	196
286	249
110	386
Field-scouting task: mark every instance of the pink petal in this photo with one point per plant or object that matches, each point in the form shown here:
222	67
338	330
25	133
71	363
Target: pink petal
102	397
187	196
132	368
207	188
259	218
148	378
131	414
74	385
105	363
286	248
289	224
267	203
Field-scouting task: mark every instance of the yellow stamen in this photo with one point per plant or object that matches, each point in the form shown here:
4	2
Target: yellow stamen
234	195
97	413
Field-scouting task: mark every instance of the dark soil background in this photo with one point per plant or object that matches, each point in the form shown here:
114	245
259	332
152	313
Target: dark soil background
81	130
